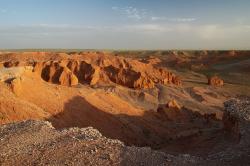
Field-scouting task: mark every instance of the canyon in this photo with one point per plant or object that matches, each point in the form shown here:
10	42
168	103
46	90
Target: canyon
173	102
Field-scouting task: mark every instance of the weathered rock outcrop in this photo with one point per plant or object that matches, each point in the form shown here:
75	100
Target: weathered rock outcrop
128	77
67	78
236	111
85	72
25	142
173	105
104	70
8	74
16	85
51	72
215	81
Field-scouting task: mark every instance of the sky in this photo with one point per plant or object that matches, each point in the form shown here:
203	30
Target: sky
125	24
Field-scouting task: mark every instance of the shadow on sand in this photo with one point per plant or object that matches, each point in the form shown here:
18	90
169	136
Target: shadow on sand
154	129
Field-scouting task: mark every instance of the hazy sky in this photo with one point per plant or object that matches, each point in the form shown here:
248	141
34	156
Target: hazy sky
125	24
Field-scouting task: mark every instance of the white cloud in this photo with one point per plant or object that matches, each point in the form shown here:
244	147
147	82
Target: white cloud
247	27
131	12
210	31
182	19
43	25
206	32
146	28
144	35
154	18
139	14
53	29
222	32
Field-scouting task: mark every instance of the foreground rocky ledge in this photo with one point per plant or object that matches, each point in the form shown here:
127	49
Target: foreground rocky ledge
38	143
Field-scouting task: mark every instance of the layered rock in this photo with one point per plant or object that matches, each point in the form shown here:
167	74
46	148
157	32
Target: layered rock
67	78
128	77
51	72
85	72
98	68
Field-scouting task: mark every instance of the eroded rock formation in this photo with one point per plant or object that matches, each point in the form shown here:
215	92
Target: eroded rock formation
16	85
215	81
67	78
173	105
93	74
95	69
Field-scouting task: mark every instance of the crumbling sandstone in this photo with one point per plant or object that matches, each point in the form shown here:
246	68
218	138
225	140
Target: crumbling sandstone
128	77
173	105
67	78
15	86
215	81
172	110
8	74
96	69
1	65
85	72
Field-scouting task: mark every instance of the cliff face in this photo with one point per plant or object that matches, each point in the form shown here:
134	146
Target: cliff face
99	69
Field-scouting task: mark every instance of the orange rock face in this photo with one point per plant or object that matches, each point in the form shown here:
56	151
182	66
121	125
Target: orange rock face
96	68
175	112
173	105
67	78
128	77
15	86
215	81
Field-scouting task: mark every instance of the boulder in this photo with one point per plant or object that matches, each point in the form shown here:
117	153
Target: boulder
173	105
176	81
215	81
